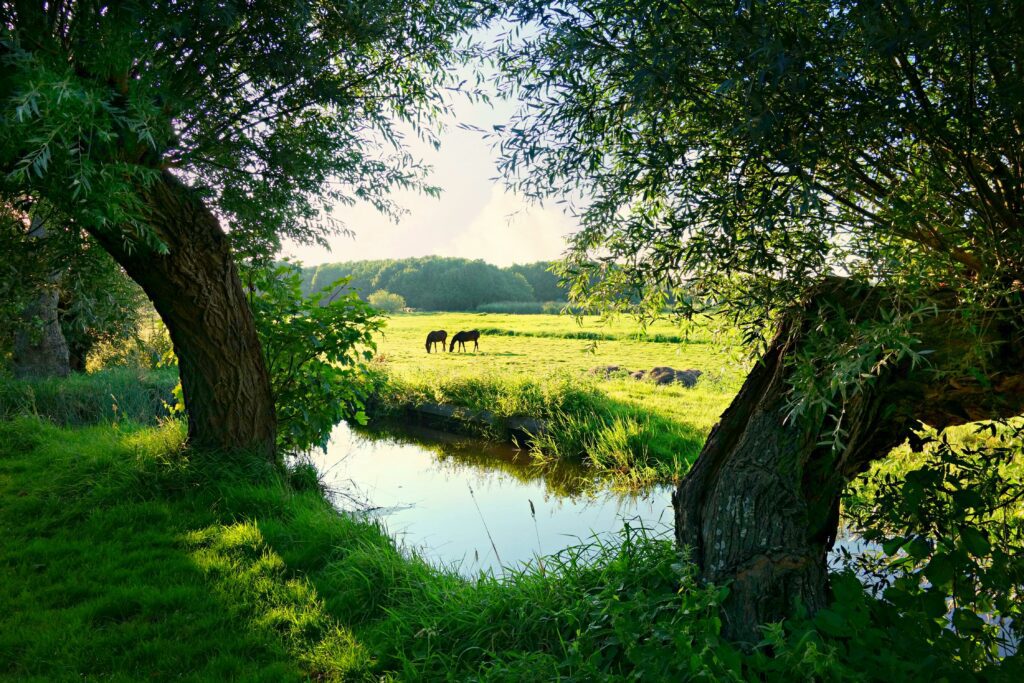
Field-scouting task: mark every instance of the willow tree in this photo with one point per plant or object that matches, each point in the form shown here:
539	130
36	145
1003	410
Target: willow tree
844	178
174	130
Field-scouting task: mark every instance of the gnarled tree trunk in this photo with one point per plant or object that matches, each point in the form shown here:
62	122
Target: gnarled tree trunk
760	507
197	292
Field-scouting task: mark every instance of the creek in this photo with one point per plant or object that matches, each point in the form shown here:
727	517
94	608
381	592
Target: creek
478	506
474	505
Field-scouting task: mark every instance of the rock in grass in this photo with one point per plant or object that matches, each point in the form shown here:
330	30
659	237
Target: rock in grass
666	375
688	378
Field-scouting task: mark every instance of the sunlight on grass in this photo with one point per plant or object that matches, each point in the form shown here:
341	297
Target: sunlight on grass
635	432
252	581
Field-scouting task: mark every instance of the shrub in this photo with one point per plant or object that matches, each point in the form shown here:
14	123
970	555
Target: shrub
149	349
956	520
386	301
315	347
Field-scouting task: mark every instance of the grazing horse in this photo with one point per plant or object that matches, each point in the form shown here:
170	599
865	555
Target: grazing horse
436	337
462	337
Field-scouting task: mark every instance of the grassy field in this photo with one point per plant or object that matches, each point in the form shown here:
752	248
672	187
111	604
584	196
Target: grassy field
537	365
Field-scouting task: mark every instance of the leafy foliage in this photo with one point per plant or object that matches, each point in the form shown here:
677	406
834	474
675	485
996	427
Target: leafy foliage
276	108
99	304
315	349
950	539
386	301
431	283
545	283
734	154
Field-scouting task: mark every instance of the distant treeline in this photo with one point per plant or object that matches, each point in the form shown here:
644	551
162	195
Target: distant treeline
435	283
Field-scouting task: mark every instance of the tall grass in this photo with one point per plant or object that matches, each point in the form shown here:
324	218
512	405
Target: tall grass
108	395
628	442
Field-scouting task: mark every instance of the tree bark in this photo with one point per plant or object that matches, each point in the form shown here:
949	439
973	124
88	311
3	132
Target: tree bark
39	346
760	507
197	292
40	349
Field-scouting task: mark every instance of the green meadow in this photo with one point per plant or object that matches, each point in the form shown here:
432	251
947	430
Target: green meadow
539	366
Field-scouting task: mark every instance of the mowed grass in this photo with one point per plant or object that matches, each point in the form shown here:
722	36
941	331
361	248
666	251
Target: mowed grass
538	366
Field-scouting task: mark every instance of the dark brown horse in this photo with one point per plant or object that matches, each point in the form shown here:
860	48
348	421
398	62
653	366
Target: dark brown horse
436	337
461	338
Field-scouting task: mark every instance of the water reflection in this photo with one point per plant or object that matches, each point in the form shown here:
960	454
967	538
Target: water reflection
478	506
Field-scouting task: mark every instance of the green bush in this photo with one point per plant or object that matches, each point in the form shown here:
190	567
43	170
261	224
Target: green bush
148	349
386	301
950	536
315	347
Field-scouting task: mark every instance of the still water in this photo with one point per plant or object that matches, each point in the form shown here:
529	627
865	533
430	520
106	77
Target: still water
477	506
482	507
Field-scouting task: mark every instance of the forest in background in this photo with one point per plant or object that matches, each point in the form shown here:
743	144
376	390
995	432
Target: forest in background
437	283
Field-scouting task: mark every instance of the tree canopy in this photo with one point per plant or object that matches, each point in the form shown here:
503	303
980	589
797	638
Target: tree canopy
276	109
742	151
442	283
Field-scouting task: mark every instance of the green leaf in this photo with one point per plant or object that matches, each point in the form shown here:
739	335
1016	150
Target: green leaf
967	621
832	623
893	545
975	541
940	570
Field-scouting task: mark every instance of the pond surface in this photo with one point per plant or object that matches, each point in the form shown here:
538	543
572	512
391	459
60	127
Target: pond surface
477	506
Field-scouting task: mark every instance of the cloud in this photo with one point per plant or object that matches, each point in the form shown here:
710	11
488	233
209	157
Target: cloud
508	230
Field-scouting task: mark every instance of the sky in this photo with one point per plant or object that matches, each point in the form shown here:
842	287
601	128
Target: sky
475	217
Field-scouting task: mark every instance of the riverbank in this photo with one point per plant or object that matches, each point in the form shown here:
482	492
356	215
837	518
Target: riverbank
131	557
128	556
632	435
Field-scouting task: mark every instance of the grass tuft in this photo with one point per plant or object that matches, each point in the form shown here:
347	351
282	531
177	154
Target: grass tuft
112	395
